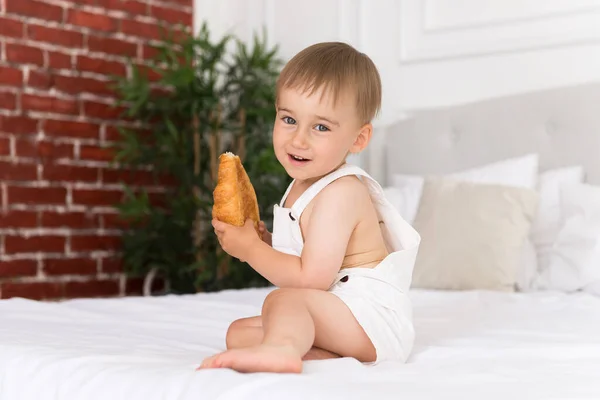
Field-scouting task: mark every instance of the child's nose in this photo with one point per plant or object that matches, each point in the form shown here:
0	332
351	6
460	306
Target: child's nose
300	139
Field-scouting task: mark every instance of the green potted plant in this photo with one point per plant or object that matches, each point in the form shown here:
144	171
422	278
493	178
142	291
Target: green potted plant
204	100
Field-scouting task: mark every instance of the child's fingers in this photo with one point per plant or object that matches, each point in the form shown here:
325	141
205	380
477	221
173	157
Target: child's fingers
218	225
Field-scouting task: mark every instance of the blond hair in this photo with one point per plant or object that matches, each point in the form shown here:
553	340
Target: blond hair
337	68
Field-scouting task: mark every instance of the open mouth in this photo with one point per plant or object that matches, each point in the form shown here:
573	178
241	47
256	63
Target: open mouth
298	158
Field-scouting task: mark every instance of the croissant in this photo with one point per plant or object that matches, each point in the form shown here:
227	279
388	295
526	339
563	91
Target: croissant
234	196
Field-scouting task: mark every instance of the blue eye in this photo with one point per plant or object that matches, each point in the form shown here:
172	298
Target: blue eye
288	120
324	128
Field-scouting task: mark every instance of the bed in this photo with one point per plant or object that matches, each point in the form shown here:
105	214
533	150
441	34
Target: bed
470	344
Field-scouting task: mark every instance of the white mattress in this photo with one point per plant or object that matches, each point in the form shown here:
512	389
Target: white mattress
470	345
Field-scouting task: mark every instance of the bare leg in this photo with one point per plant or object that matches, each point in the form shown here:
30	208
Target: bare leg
248	332
294	319
244	332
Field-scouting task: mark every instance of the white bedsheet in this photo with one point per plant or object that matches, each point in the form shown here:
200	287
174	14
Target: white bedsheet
470	345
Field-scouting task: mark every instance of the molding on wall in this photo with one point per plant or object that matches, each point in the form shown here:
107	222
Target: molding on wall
424	37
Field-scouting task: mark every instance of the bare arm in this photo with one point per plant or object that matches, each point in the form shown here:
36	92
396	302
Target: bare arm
332	221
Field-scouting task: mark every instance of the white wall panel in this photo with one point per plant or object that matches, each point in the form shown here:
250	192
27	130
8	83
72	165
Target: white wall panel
434	52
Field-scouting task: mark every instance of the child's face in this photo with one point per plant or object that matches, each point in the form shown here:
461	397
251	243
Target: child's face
311	137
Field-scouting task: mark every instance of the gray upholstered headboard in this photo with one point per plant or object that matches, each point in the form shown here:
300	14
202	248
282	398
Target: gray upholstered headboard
562	125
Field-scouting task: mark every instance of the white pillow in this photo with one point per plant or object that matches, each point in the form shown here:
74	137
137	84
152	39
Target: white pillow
574	260
472	234
405	194
546	224
519	172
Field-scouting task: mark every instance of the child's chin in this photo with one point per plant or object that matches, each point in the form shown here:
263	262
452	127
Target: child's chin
298	173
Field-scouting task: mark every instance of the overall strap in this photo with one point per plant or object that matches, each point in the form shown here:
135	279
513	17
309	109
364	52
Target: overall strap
287	192
315	188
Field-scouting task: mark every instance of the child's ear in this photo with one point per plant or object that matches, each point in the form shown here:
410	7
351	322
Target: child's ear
363	138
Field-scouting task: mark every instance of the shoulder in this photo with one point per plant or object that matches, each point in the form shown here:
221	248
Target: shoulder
345	191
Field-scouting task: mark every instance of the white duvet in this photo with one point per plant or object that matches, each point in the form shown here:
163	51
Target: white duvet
470	345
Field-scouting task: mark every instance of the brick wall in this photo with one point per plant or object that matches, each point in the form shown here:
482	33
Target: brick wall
59	235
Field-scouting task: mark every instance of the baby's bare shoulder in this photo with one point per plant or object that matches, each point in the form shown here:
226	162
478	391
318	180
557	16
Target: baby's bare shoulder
346	189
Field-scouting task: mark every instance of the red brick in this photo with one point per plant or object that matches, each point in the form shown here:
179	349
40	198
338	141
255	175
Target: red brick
93	243
76	220
93	197
47	149
33	244
187	3
58	60
4	146
8	101
32	290
71	129
102	110
40	79
131	177
49	104
141	29
96	288
11	28
75	85
18	125
18	53
113	221
112	133
18	268
11	76
80	2
170	15
149	52
36	195
90	20
69	173
129	6
112	46
112	265
18	219
56	36
96	153
43	149
149	72
37	9
101	66
70	266
17	172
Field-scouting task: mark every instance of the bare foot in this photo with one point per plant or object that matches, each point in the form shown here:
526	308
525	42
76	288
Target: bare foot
262	358
209	362
316	353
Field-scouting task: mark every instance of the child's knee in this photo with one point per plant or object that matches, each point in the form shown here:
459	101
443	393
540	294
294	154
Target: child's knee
233	333
278	295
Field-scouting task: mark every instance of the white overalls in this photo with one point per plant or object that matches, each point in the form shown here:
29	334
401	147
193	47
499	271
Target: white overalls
377	297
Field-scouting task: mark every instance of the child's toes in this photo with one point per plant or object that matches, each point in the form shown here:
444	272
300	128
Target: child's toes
208	362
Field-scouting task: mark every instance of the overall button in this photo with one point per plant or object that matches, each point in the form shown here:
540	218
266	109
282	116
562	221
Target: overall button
344	279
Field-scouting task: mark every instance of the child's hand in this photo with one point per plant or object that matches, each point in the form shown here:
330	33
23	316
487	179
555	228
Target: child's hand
236	241
265	234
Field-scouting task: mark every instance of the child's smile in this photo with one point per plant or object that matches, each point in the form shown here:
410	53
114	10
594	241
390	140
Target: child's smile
297	160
